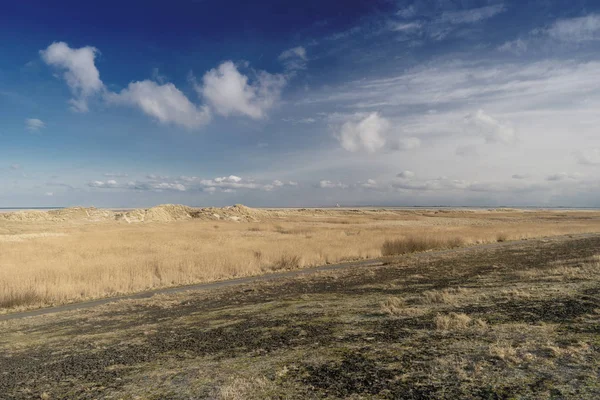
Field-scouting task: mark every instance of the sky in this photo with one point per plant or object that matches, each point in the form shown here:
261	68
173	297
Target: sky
300	103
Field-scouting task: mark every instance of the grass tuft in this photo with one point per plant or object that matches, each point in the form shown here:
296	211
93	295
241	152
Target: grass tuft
414	244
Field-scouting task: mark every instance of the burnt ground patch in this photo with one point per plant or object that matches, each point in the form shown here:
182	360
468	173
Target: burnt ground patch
105	367
561	310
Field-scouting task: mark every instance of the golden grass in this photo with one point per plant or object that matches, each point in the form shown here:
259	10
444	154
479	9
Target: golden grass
43	263
413	244
446	296
457	322
393	305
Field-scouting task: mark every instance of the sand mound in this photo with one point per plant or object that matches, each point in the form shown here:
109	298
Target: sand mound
161	213
168	213
237	212
65	214
27	216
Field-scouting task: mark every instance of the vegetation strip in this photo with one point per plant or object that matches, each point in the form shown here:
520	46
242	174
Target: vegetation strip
232	282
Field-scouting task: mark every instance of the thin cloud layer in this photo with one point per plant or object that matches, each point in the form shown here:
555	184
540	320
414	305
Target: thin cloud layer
34	124
581	29
294	59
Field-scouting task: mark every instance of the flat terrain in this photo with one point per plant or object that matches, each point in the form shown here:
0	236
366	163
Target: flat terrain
517	321
78	254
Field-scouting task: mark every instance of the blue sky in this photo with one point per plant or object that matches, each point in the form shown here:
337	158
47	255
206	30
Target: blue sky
273	103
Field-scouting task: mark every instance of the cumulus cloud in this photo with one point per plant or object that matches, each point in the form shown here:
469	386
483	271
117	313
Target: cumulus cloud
143	186
81	73
492	130
369	184
576	30
164	102
406	175
230	92
363	133
34	124
326	184
225	184
104	184
294	59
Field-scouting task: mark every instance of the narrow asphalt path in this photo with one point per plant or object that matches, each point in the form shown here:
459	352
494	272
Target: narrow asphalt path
271	276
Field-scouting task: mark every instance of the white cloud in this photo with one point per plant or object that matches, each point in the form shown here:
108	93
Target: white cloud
49	194
326	184
34	124
226	184
234	182
104	184
406	26
15	167
81	73
169	186
294	58
230	178
406	175
472	15
156	186
491	129
230	93
370	184
165	102
580	29
589	157
363	133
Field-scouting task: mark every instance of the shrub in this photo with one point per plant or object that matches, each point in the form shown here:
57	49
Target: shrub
502	237
413	244
15	299
287	261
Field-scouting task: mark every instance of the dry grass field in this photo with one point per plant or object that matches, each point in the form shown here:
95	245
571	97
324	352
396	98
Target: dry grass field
519	321
69	255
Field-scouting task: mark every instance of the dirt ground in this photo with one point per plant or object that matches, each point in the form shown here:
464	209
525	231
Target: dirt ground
521	321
